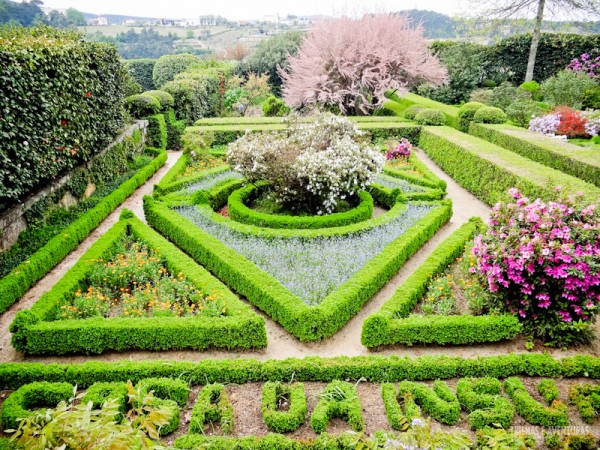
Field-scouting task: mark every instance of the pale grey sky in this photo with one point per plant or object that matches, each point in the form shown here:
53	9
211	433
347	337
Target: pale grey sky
249	9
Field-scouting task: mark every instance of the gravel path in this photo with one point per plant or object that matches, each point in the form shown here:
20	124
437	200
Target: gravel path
281	344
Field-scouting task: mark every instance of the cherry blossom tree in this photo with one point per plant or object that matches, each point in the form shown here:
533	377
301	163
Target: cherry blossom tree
350	63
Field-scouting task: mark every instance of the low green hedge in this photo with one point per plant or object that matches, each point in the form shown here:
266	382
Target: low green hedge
41	394
167	389
157	131
307	323
439	402
399	420
239	212
261	120
482	398
466	113
587	399
428	179
283	421
393	325
314	368
533	411
35	331
99	393
218	195
488	171
568	158
168	183
173	424
20	279
406	100
212	406
339	399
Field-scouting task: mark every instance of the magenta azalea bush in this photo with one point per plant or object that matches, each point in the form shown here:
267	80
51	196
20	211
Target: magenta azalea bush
586	64
542	260
399	150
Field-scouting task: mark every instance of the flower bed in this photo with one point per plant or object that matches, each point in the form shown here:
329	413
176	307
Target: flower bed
148	295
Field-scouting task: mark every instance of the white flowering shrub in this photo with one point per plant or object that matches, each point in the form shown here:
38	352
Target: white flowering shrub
317	164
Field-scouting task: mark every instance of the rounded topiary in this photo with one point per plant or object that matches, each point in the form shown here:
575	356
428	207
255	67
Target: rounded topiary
430	117
168	66
412	111
466	113
489	114
275	107
142	105
165	99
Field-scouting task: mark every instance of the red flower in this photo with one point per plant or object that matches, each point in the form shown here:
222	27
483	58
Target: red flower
63	122
88	94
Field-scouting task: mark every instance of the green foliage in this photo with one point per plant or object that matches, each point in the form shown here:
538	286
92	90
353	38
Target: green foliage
481	96
466	113
489	171
63	103
196	94
489	114
521	111
175	130
482	398
167	389
141	71
198	140
567	88
271	54
283	406
409	99
141	106
262	290
240	212
392	324
440	402
36	331
275	107
504	94
591	98
430	117
20	13
212	406
534	89
19	280
533	411
157	131
499	439
395	403
548	151
165	99
168	66
587	399
100	392
21	403
339	399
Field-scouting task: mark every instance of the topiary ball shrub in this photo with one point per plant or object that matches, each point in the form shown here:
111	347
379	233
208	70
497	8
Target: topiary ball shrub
275	107
141	106
534	88
431	117
412	111
168	66
165	99
466	113
490	114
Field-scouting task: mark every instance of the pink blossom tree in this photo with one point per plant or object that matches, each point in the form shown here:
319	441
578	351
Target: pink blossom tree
350	63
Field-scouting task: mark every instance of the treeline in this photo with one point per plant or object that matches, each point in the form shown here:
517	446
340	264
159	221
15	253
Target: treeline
29	13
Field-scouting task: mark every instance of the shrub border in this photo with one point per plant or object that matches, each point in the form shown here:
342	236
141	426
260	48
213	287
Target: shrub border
268	294
283	421
35	331
392	324
22	277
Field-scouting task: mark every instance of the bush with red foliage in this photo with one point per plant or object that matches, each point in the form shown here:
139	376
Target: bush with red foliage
572	123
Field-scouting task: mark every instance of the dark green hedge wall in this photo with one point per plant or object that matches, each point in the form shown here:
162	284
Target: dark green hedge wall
141	71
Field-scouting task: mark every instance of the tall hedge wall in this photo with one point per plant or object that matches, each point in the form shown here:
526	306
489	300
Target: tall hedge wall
141	71
60	102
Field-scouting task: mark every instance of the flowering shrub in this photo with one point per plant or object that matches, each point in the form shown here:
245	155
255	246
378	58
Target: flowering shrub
543	260
564	123
399	150
316	164
586	64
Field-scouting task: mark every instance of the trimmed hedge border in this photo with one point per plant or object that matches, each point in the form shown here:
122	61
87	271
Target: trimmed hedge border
239	212
242	370
568	158
409	99
482	397
392	324
36	332
347	408
20	279
307	323
261	120
399	420
488	171
168	184
533	411
439	402
212	405
283	421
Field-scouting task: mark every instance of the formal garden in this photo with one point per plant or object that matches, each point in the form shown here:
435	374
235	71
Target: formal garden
212	261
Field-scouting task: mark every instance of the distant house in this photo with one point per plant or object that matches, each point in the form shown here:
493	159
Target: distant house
98	21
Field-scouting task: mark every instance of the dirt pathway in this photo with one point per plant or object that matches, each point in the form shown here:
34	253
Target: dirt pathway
281	344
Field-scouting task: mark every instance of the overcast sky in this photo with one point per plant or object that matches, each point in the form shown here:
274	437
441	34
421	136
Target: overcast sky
249	9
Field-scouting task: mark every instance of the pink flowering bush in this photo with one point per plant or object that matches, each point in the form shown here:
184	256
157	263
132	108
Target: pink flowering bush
586	64
399	150
542	261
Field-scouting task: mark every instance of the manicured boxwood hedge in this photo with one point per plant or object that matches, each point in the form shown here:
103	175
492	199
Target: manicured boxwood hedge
283	421
18	281
339	399
482	398
533	411
393	325
212	406
141	71
168	183
568	158
488	171
404	101
239	212
35	331
307	323
62	102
